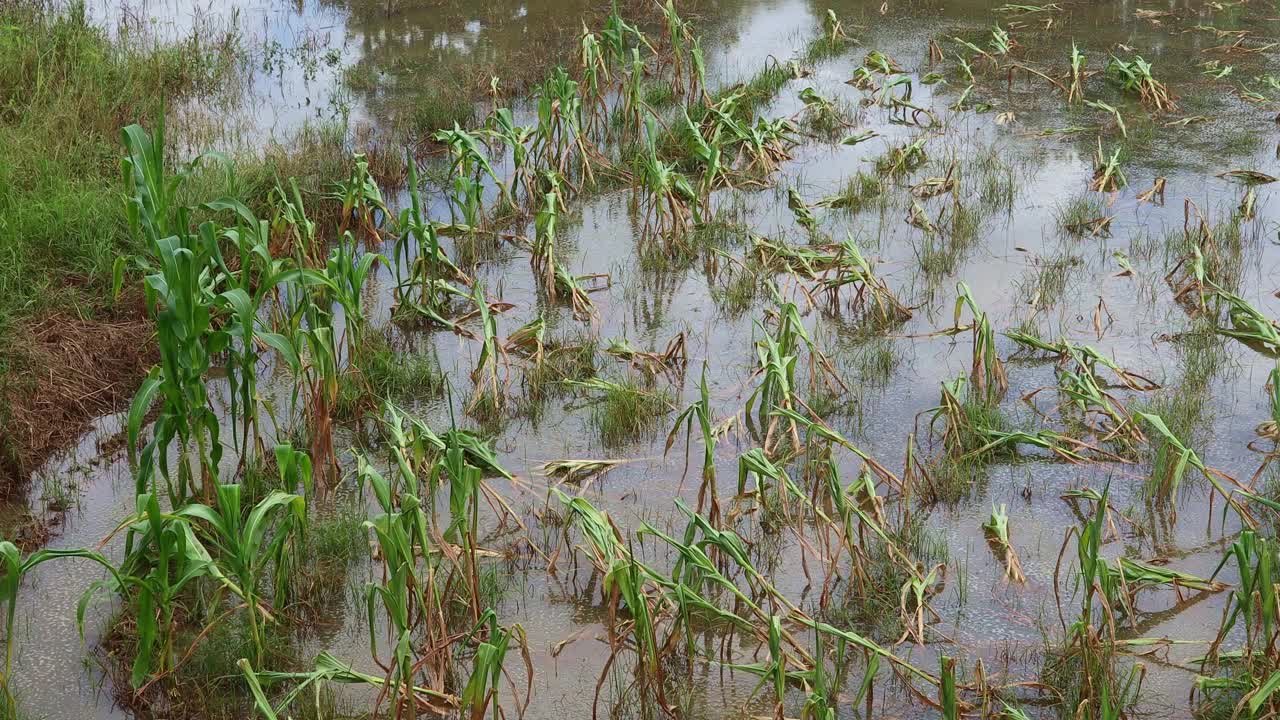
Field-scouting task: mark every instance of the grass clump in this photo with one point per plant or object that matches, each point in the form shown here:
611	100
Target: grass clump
857	192
1085	214
66	89
385	373
625	410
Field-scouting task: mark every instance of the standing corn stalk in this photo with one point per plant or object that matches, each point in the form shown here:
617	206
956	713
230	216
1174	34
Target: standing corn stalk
180	297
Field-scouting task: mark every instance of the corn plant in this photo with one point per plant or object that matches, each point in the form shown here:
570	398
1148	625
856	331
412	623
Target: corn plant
947	692
312	355
502	127
634	109
997	527
487	397
618	37
871	297
1068	448
481	690
1001	43
755	464
903	158
1271	427
671	203
543	257
529	340
465	488
1108	175
578	471
361	199
181	296
700	412
698	65
766	144
577	288
418	449
596	78
801	211
1111	110
162	556
249	545
1093	645
347	273
469	167
679	36
13	569
560	124
427	287
777	356
1075	93
327	669
406	591
1248	324
1252	670
707	149
1188	458
987	373
1086	357
1135	76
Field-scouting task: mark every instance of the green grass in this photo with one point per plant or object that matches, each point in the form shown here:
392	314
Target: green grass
65	92
626	410
1077	213
387	373
857	192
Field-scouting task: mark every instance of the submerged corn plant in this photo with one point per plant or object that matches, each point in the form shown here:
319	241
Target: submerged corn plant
1075	93
1249	676
247	546
487	398
1108	175
1135	76
361	200
427	287
669	199
560	134
997	528
501	126
1248	324
871	299
469	166
987	374
777	355
1087	662
707	147
13	570
700	412
1168	485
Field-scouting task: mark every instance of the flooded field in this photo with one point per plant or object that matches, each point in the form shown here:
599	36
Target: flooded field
755	358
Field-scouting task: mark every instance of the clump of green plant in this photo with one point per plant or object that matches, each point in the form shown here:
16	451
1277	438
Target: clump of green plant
625	410
1136	76
68	87
1243	681
832	42
1108	175
1085	214
1085	668
997	528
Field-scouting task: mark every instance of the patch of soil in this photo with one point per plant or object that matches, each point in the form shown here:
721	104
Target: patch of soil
64	371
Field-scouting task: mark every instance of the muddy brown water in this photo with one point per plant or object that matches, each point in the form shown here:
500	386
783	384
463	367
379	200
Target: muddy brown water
309	46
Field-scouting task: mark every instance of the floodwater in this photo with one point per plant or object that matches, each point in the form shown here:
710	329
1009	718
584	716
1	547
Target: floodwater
304	50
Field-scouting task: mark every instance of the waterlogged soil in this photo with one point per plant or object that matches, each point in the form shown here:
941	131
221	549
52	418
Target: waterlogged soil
1024	270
